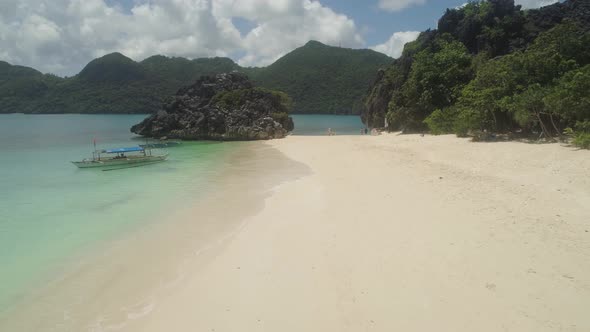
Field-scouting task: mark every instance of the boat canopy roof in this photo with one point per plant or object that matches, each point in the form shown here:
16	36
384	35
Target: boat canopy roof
123	150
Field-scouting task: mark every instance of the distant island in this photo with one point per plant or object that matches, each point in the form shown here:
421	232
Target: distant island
491	67
226	107
321	80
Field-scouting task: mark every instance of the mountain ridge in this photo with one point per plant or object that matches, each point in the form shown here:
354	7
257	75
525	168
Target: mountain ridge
115	83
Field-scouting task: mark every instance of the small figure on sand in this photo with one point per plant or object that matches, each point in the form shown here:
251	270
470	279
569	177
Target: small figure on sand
331	132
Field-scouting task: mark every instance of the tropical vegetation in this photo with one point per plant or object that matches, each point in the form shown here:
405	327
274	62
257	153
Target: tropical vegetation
491	67
320	78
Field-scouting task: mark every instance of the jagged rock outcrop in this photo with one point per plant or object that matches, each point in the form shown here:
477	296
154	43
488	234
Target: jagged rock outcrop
222	107
547	17
376	104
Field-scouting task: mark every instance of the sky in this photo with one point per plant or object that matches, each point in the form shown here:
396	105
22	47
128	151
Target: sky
61	36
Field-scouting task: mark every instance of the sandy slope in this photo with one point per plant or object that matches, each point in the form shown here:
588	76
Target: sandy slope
403	233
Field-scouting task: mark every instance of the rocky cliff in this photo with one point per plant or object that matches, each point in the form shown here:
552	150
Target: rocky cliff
376	102
222	107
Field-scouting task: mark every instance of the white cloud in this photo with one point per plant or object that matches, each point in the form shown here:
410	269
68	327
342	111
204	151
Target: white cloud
397	5
395	45
278	34
534	3
61	36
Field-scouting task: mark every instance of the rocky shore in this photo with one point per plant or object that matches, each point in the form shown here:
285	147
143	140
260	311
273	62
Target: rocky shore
224	107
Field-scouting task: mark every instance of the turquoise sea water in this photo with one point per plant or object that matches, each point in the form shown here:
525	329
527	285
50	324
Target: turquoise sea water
51	211
319	124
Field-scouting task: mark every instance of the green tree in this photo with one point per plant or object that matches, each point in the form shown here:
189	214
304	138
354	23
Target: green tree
554	53
503	86
570	98
529	110
436	79
514	54
582	134
484	97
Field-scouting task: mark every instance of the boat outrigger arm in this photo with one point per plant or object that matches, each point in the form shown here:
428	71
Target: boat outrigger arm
141	156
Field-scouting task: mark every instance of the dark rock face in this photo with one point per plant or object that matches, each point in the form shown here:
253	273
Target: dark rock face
373	114
547	17
224	107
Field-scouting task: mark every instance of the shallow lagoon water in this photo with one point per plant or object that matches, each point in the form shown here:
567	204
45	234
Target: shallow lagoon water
51	213
318	124
50	210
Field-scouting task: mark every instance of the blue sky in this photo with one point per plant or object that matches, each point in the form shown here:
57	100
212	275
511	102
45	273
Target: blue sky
380	25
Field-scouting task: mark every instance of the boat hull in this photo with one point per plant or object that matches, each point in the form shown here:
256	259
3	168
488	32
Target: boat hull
113	162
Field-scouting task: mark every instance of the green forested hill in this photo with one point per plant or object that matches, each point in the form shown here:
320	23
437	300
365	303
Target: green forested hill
110	84
21	88
491	67
323	79
113	68
320	79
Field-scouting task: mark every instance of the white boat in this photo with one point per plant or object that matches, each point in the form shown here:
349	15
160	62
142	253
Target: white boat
121	158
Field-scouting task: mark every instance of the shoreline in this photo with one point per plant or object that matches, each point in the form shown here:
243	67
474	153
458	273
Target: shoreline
122	279
403	233
354	233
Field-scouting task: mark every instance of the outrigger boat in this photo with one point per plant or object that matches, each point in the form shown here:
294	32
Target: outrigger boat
121	157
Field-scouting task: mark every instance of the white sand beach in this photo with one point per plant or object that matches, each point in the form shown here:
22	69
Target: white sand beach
387	233
403	233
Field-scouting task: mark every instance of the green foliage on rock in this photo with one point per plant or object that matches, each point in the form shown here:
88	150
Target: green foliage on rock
541	89
491	67
436	78
237	98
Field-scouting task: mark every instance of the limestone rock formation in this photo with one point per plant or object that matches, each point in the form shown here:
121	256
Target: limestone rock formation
222	107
